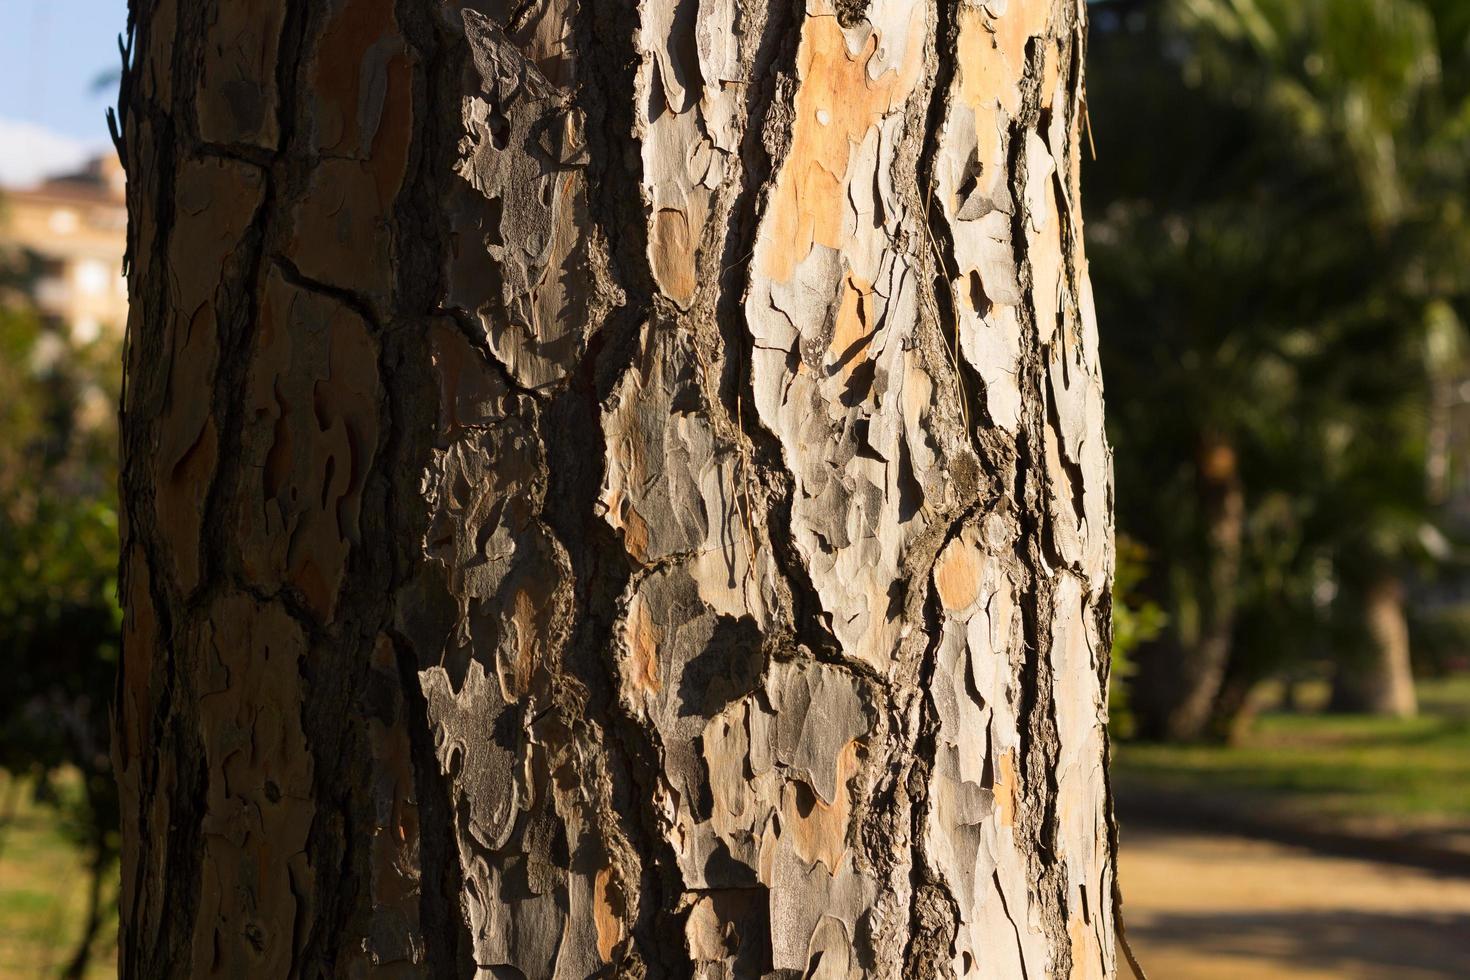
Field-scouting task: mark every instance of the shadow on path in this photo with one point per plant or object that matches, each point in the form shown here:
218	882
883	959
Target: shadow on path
1333	940
1202	906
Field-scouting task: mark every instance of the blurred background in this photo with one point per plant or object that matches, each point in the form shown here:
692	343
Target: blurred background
63	305
1280	246
1278	223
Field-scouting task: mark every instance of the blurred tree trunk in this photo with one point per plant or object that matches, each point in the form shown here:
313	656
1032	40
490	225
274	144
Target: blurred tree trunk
1181	675
1235	710
612	490
1379	678
101	862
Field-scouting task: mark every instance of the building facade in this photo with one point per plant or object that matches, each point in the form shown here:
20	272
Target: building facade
74	228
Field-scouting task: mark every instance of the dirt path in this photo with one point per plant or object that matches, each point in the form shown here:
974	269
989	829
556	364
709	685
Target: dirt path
1205	907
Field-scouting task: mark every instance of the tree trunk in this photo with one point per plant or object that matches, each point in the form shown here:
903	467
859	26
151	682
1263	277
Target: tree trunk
97	868
612	489
1180	677
1379	680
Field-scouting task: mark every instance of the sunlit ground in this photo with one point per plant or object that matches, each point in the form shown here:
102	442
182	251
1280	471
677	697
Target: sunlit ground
43	893
1212	907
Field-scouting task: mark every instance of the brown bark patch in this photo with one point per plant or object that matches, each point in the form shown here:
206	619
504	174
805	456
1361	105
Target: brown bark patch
256	878
349	54
140	634
180	502
311	435
237	99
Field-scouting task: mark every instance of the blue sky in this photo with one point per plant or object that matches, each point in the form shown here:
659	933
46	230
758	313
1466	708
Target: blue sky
51	52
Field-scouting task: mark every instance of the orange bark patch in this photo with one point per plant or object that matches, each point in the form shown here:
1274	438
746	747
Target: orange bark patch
992	53
635	533
642	638
854	329
1050	74
673	255
523	618
1006	788
620	512
836	105
992	58
1086	956
607	913
819	830
957	575
982	75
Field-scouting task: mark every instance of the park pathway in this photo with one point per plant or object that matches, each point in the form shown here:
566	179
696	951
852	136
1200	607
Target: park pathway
1209	907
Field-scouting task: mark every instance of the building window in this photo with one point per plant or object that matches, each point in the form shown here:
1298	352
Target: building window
64	221
85	329
92	277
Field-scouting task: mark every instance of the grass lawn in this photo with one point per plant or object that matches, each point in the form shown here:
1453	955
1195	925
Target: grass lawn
43	893
1371	773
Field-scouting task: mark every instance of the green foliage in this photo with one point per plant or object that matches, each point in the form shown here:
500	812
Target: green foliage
1136	619
1279	249
59	618
1440	637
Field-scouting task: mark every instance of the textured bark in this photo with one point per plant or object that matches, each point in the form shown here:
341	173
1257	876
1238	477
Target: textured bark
612	490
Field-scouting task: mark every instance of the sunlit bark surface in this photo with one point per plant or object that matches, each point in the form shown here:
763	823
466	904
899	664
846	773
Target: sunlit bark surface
612	489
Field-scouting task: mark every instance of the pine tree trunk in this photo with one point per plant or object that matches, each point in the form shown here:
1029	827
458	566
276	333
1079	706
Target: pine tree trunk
1379	678
612	490
1178	690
